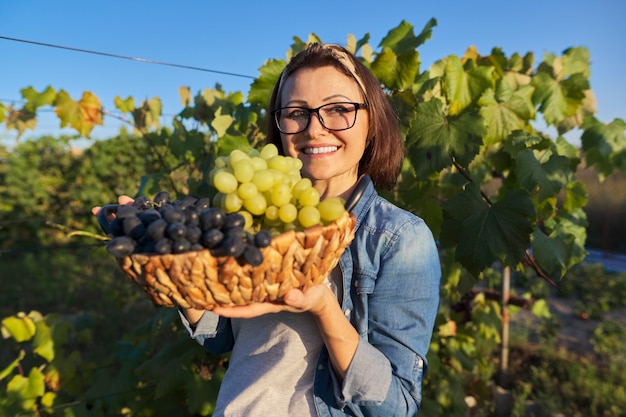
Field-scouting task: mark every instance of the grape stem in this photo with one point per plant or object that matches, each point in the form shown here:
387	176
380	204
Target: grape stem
71	232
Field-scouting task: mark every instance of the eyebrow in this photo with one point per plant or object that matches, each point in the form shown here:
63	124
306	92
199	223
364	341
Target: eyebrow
329	98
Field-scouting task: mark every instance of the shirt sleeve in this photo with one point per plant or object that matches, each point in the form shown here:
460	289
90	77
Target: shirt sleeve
385	375
212	332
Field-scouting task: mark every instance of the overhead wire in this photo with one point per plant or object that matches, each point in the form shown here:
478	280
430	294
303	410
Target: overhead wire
131	58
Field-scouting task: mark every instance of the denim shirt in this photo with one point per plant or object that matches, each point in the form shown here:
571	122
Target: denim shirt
392	273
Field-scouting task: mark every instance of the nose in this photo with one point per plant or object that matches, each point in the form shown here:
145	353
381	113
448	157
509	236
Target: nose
315	124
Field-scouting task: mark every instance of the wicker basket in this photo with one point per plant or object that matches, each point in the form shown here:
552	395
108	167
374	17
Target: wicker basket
199	280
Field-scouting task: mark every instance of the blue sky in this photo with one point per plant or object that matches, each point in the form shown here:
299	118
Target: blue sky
238	36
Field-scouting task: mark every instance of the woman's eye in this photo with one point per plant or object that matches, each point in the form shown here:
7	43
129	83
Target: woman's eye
296	114
338	109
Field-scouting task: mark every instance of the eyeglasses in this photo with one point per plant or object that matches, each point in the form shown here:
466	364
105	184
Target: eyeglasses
333	116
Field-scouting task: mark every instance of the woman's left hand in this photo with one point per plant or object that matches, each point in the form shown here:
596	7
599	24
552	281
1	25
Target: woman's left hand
313	299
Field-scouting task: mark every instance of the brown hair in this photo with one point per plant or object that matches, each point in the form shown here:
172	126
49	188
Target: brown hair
384	153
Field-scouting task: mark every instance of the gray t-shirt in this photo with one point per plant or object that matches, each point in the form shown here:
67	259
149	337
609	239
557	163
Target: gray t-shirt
272	366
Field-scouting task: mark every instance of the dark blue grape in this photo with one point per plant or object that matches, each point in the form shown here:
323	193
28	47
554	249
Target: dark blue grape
149	215
126	210
163	246
175	230
142	202
193	234
253	255
133	227
233	245
162	197
174	215
234	220
156	230
212	238
203	204
212	218
181	245
262	239
116	227
120	246
192	217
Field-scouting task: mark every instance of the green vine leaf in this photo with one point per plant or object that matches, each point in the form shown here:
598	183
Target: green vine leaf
505	111
262	86
34	100
464	86
485	234
548	178
124	105
21	328
435	138
604	145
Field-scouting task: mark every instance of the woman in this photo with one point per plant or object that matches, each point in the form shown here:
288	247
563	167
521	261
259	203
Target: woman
357	344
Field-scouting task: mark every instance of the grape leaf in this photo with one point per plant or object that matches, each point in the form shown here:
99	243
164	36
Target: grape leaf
397	72
401	39
548	177
464	87
484	234
81	115
20	328
35	100
221	122
262	86
506	113
125	106
558	99
604	145
435	138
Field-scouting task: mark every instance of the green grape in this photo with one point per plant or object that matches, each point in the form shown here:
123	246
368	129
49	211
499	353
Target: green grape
218	200
309	197
243	170
279	163
249	221
281	194
288	213
256	204
263	179
221	162
331	209
271	213
236	156
254	153
258	163
232	202
225	182
302	184
308	216
247	190
268	151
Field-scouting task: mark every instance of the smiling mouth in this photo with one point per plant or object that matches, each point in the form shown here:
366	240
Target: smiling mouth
324	149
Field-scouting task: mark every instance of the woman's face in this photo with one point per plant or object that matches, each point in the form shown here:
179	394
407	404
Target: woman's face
327	156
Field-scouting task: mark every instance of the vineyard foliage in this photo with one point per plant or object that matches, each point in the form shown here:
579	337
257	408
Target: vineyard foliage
487	167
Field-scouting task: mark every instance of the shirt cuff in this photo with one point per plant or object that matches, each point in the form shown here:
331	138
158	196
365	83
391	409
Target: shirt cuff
368	377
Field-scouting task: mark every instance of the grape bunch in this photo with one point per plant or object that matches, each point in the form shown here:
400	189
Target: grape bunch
162	226
268	190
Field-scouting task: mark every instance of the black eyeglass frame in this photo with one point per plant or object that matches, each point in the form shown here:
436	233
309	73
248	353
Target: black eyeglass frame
357	107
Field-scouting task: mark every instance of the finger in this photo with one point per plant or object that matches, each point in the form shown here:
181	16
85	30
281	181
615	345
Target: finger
124	199
95	210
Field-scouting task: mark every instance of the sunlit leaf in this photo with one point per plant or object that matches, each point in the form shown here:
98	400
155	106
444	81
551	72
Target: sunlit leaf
185	95
396	71
221	123
402	39
465	87
503	115
34	100
124	105
43	345
20	328
262	86
26	390
485	234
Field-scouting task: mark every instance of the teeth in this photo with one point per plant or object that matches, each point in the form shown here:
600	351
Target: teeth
325	149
